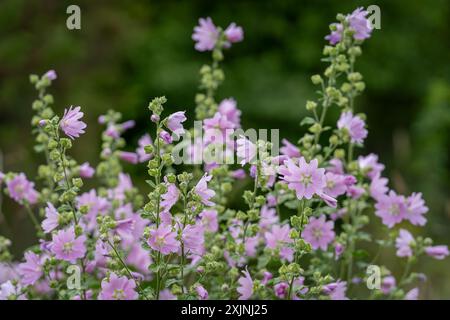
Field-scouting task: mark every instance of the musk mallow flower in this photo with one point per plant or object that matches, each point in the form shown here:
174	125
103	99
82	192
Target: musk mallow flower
174	122
336	290
234	33
86	171
245	288
201	189
51	220
412	294
354	126
370	166
67	246
378	187
9	291
193	239
281	289
336	33
388	284
403	244
228	108
51	75
306	179
170	197
335	184
209	220
415	209
201	292
246	150
144	141
289	149
391	208
31	270
163	239
278	238
118	288
360	24
129	157
166	137
205	35
437	252
20	189
319	232
71	124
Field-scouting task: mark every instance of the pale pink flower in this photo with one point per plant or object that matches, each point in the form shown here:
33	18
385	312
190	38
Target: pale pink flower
31	270
129	157
86	171
378	187
415	209
209	220
71	124
319	232
246	150
403	244
51	220
388	284
354	126
228	108
174	122
144	141
201	292
306	179
336	290
437	252
245	288
234	33
289	149
51	75
281	289
166	137
370	165
20	189
118	288
163	239
391	209
335	184
170	197
67	246
278	238
193	239
412	294
205	35
201	189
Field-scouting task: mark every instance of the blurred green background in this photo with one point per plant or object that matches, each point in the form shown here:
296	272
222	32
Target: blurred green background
130	51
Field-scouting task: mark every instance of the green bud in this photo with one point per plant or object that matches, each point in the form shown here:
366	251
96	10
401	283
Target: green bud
77	182
316	79
311	105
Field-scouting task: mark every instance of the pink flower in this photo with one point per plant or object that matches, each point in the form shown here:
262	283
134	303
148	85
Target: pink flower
31	270
144	141
118	288
174	122
167	295
51	220
234	33
51	75
170	197
163	239
228	108
201	189
238	174
412	294
336	290
278	237
360	24
335	184
336	166
415	209
66	246
86	171
246	150
167	138
130	157
336	35
354	126
338	250
437	252
378	187
268	217
205	35
209	220
71	124
201	292
355	192
9	291
319	232
306	179
370	165
245	288
193	239
403	244
391	209
290	150
388	284
127	125
20	189
281	289
217	129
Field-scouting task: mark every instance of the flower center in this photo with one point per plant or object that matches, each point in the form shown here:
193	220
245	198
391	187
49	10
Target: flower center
317	233
330	184
160	241
395	210
306	179
67	248
119	294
